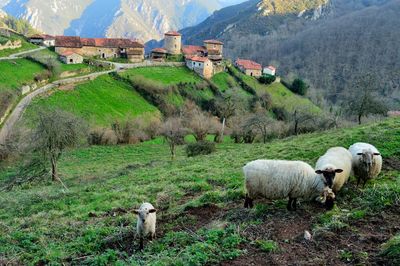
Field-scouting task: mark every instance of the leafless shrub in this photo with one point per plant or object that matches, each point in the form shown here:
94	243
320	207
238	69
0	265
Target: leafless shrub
174	133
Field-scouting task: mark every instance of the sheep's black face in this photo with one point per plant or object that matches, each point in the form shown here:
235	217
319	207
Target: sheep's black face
329	203
329	175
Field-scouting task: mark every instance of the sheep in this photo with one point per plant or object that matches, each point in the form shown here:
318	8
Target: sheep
335	166
367	161
146	223
275	179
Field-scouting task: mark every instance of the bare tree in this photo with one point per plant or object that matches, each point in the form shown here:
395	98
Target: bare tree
301	116
174	133
201	124
260	122
55	132
363	100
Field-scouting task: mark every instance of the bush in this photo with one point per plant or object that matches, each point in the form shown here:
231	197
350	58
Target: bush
299	87
267	79
280	113
200	148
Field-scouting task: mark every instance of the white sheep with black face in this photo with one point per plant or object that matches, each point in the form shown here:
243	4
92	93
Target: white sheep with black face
335	166
277	179
367	161
146	223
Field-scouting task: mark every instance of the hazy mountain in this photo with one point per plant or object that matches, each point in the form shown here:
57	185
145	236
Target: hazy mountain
329	43
146	19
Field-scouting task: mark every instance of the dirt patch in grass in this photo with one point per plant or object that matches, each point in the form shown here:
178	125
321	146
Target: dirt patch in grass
68	87
391	163
357	244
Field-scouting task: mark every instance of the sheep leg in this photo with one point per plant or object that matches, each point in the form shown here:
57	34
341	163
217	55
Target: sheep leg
141	243
358	181
248	202
152	236
365	182
291	206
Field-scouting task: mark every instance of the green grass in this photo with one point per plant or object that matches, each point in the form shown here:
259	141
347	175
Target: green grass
73	69
100	102
25	47
224	81
280	95
43	223
15	73
164	75
391	249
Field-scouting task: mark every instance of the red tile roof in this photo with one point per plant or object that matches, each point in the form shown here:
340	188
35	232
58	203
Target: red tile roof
248	64
173	33
111	43
214	42
159	50
190	50
68	53
198	59
42	36
77	42
68	41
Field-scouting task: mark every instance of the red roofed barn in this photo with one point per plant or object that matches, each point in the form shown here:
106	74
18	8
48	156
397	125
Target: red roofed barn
249	67
101	47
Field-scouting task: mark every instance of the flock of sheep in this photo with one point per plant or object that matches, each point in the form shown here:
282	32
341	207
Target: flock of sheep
277	179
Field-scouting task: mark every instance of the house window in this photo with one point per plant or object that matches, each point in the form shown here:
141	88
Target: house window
71	60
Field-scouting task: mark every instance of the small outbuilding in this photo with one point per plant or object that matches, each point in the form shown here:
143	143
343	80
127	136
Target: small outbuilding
270	70
249	67
159	54
43	40
71	58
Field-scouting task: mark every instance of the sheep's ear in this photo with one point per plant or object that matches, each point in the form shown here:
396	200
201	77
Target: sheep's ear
338	170
377	154
360	153
319	172
136	211
152	211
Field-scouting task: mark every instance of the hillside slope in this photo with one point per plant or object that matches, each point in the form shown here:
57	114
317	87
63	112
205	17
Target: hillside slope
329	45
200	216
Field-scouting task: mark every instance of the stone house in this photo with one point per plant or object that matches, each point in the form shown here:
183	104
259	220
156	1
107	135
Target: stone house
43	40
9	44
215	50
270	70
69	58
104	48
159	54
201	65
249	67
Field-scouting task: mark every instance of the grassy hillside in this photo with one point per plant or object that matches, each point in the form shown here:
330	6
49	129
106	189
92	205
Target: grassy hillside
165	75
224	81
200	215
100	101
280	95
15	73
175	77
25	46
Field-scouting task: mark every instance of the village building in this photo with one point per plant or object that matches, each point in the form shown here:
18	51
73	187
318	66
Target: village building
9	44
103	48
173	42
249	67
69	58
194	50
43	40
269	70
159	54
201	65
214	50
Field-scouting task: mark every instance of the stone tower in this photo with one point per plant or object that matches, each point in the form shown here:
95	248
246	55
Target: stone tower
173	42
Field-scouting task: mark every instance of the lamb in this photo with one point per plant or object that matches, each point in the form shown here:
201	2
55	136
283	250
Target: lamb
146	223
367	161
275	179
335	166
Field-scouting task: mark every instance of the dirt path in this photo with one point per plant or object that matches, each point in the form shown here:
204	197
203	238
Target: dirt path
18	55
